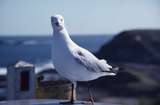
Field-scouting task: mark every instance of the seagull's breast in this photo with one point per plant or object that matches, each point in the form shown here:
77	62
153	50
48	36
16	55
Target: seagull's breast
60	51
65	64
62	59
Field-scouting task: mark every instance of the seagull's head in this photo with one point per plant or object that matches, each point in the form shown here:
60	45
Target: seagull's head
57	22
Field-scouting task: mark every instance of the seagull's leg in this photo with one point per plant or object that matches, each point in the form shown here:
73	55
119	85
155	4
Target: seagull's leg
90	99
73	94
90	96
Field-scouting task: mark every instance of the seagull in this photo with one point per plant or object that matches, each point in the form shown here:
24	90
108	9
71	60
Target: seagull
74	62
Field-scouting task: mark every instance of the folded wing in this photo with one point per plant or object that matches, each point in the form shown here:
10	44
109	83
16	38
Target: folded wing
92	64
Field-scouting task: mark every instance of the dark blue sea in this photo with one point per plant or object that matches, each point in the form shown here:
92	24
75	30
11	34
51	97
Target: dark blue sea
35	49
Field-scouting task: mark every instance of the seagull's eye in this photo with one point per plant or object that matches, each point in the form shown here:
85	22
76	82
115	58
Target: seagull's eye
61	20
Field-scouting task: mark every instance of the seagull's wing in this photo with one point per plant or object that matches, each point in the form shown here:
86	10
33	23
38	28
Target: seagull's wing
93	64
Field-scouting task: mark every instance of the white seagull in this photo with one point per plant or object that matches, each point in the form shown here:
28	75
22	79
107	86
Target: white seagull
74	62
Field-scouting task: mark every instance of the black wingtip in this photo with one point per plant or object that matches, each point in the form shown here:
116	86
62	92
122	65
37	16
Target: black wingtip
115	70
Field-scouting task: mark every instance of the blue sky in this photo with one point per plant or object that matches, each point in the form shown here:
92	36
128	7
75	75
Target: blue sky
32	17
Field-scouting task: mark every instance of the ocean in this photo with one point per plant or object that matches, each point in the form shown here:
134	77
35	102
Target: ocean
37	49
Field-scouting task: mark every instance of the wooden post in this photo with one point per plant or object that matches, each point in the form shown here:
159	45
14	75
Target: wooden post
21	81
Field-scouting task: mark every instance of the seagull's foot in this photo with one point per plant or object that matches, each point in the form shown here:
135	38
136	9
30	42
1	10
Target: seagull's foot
71	102
89	101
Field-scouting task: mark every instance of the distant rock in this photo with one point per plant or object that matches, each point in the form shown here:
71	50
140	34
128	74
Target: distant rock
137	53
133	46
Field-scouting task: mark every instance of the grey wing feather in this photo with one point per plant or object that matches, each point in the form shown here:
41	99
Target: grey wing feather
91	63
